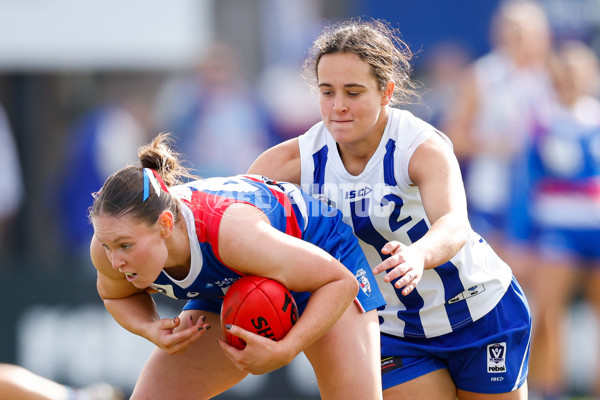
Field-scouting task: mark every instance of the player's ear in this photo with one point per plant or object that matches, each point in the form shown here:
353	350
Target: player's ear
166	222
388	93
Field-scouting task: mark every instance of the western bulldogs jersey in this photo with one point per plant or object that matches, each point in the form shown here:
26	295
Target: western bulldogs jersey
288	209
381	204
510	99
564	162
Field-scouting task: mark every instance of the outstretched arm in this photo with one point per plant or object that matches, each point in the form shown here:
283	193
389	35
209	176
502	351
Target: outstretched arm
434	169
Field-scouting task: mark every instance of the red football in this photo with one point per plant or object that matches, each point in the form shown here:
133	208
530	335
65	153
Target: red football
259	305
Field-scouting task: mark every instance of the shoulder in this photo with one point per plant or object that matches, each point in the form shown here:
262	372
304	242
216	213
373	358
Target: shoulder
431	156
435	144
280	162
406	119
407	130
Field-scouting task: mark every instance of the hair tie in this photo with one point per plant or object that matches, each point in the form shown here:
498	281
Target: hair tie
152	177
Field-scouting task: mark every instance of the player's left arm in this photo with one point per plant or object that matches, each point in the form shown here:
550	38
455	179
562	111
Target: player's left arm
249	244
435	170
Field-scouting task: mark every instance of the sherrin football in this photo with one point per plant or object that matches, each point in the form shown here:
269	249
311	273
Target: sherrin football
259	305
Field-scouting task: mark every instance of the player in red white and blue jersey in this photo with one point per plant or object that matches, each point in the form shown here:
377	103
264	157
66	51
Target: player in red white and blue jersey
192	241
288	209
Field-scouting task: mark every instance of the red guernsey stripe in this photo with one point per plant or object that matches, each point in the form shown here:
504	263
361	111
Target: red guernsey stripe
588	187
208	211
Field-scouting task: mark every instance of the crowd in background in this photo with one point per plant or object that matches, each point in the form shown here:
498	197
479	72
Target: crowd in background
525	123
524	120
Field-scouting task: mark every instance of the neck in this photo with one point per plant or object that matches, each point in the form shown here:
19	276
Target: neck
178	245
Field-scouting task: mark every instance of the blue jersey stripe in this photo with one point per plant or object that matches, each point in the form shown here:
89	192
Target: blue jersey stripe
417	231
413	302
320	161
364	229
458	312
388	163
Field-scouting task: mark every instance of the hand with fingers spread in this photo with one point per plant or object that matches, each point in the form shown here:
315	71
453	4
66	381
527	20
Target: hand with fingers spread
405	262
173	336
260	356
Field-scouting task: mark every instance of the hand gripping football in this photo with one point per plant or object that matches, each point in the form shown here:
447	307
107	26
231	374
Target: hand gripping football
259	305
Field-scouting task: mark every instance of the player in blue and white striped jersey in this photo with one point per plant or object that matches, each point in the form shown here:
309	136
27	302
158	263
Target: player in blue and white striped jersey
456	323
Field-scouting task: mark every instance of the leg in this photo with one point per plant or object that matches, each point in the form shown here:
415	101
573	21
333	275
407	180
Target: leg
347	360
553	289
519	394
434	385
592	295
439	385
522	261
202	372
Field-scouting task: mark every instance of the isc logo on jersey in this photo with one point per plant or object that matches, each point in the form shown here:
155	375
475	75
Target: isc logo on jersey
356	194
496	354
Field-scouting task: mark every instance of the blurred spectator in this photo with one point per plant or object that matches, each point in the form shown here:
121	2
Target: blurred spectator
504	94
293	25
91	156
443	67
219	121
565	203
292	106
11	184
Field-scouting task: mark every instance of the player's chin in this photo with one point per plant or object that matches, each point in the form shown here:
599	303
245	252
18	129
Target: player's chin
341	131
141	283
346	137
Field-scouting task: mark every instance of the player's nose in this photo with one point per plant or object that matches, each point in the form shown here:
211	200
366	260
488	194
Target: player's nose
117	262
339	104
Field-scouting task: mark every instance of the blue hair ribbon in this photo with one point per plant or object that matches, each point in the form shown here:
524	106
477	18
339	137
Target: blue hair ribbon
146	185
149	178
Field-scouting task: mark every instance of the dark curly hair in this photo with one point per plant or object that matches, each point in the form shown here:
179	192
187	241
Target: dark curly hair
377	44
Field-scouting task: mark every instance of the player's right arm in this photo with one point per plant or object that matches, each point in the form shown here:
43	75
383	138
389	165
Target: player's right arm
280	162
135	310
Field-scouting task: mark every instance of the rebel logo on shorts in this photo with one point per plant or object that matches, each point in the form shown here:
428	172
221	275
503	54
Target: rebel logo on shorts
496	355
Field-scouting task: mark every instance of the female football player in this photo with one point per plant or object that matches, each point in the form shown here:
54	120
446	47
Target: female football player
456	323
193	241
